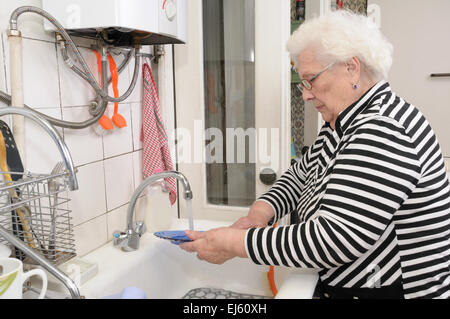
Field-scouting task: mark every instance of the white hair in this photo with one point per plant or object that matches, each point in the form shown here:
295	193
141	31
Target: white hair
340	35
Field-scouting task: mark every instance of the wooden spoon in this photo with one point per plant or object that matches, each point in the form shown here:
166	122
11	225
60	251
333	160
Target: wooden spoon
21	212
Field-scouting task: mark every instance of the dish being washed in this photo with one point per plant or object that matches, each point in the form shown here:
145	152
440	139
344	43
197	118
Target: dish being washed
176	237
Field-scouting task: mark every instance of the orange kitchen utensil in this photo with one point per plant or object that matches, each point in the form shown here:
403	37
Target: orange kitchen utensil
117	119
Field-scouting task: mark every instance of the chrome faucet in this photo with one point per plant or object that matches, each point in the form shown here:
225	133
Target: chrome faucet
129	239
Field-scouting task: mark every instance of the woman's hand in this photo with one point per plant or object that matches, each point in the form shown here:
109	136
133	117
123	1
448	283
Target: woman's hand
221	244
216	245
259	215
248	222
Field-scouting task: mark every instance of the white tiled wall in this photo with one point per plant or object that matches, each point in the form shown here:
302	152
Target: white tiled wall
2	68
109	166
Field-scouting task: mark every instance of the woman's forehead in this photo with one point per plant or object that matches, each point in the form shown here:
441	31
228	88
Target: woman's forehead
307	55
307	63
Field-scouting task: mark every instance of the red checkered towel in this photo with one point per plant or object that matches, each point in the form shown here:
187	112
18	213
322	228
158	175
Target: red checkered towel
155	154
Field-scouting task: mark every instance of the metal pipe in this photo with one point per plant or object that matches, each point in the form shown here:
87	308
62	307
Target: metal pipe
17	100
125	62
6	98
73	289
104	64
70	63
62	147
89	76
85	73
13	26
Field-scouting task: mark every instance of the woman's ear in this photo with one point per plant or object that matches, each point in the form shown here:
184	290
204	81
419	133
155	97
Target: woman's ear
353	68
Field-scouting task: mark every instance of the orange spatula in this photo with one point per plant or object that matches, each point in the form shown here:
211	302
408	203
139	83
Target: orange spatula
117	119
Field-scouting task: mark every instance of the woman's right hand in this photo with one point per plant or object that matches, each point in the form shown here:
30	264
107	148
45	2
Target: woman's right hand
247	222
259	215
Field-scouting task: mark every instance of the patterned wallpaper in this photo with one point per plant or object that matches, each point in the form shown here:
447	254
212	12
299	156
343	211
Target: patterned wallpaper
297	119
358	6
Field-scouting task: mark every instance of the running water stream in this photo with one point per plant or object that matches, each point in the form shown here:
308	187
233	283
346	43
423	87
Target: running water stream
189	213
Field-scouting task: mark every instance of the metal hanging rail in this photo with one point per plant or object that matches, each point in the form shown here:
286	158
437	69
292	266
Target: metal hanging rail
439	75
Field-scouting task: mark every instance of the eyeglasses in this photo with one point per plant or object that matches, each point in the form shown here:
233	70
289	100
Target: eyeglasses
306	84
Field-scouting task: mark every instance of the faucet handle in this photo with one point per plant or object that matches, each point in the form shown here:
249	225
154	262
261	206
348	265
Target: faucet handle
140	228
119	238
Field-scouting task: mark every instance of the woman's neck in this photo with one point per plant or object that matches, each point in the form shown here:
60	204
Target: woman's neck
354	95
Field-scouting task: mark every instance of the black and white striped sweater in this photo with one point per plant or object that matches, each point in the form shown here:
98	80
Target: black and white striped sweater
373	200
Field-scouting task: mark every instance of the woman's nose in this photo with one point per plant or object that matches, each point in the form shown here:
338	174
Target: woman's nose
307	95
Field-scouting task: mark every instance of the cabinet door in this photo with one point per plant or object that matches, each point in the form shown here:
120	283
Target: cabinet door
232	102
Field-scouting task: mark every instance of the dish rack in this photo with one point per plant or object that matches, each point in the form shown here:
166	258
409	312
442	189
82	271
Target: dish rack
34	207
46	215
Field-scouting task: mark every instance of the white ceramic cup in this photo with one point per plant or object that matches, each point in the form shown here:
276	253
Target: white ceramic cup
5	251
12	278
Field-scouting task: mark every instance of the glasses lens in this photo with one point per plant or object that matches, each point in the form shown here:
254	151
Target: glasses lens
306	84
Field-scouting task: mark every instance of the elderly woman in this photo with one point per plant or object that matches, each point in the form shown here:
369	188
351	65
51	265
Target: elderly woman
371	193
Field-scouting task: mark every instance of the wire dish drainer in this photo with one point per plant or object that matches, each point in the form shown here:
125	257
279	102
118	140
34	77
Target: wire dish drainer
45	211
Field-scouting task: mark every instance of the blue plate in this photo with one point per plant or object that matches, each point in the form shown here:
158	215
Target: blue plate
175	236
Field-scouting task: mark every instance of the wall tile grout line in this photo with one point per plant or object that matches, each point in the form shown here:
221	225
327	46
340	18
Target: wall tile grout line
132	125
102	214
108	158
104	178
4	62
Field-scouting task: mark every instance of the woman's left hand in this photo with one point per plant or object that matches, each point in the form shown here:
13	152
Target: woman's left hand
216	245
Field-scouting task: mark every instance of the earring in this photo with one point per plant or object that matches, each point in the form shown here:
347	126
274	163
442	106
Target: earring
355	86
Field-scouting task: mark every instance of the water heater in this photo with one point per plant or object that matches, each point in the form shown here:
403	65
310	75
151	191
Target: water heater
122	22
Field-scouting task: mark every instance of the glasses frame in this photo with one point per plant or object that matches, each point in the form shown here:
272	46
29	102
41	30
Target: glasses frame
306	84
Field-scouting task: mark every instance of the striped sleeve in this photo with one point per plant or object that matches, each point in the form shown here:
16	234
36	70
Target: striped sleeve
285	192
371	176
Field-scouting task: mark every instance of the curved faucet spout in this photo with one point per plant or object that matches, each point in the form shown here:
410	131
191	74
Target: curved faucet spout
129	240
149	181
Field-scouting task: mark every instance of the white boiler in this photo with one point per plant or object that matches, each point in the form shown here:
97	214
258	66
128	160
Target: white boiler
122	22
